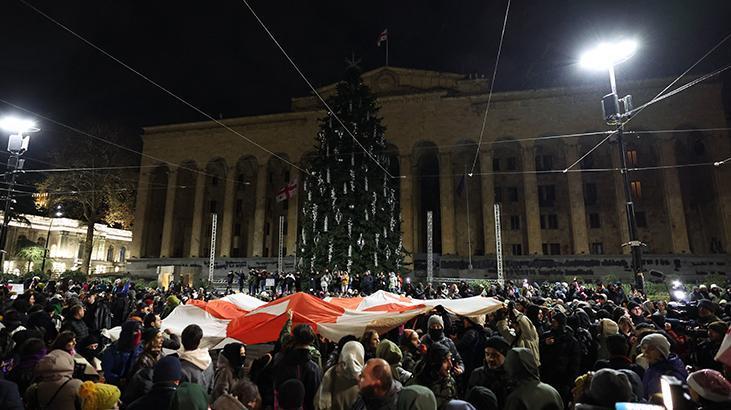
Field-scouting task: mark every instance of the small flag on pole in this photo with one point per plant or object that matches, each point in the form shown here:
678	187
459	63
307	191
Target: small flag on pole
287	191
382	37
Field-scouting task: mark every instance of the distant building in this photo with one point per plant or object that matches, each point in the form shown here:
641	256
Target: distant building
66	245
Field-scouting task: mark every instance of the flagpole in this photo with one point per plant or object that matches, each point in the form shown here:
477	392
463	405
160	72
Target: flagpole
387	50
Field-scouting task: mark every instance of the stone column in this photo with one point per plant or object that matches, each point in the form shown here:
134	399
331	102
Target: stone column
293	215
260	211
530	193
197	224
621	203
579	234
673	198
406	191
227	222
166	248
138	231
446	203
487	181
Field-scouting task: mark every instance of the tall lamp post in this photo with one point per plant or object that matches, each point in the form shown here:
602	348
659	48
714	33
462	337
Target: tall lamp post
56	214
17	145
616	112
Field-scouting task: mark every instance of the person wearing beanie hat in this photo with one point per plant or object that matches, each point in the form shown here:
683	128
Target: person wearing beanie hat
88	348
636	313
98	396
482	398
435	372
561	356
166	378
710	389
707	349
140	380
492	374
707	312
656	350
608	387
55	387
436	335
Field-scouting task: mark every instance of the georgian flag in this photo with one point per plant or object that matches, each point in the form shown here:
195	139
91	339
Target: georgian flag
287	191
382	37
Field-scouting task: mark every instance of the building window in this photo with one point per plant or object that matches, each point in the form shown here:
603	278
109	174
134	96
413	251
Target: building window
544	162
516	249
214	180
286	176
239	206
590	193
632	158
498	195
549	221
641	219
546	195
123	254
636	187
511	164
284	230
551	248
512	194
594	221
266	228
514	222
597	248
212	207
110	254
496	164
237	228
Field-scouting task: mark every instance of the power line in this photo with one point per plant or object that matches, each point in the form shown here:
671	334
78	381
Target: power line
314	90
719	163
165	90
492	85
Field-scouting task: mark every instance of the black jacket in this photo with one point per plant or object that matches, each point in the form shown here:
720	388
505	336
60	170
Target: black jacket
494	379
77	326
159	397
297	363
619	363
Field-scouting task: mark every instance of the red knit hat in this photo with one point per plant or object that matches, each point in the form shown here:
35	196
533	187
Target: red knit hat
711	385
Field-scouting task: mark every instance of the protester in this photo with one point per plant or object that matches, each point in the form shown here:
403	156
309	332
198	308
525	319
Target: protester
196	364
229	368
167	375
656	350
98	396
295	361
55	387
710	390
339	387
436	335
244	395
435	372
390	352
492	375
529	392
120	357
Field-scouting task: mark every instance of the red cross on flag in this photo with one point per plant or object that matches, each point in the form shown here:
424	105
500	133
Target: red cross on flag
382	37
287	191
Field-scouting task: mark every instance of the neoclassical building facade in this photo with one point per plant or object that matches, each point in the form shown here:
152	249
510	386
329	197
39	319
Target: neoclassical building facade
433	121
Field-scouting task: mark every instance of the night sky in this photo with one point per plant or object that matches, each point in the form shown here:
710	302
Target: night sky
214	54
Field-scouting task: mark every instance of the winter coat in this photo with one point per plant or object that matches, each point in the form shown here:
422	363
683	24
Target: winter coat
416	398
390	352
494	379
197	367
561	360
77	326
190	396
9	396
297	363
388	402
171	342
619	363
140	381
672	366
529	392
456	358
227	402
469	347
339	387
118	365
224	378
23	373
56	388
98	316
160	397
526	335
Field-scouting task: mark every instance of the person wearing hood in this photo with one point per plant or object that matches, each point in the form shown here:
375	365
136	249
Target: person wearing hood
142	372
435	372
409	344
605	328
471	344
195	362
710	390
436	335
492	374
656	350
606	388
166	378
243	396
229	368
31	352
170	304
339	387
296	362
120	356
388	351
518	331
88	348
55	386
561	355
528	391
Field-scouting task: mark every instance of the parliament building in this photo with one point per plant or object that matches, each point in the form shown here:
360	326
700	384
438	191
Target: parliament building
565	223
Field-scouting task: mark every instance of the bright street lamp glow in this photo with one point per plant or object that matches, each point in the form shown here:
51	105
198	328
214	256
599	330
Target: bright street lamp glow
18	125
606	55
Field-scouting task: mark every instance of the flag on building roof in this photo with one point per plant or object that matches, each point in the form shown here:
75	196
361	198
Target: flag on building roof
287	191
382	37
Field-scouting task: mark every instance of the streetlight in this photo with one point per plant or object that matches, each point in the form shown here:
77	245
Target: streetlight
17	145
56	214
604	57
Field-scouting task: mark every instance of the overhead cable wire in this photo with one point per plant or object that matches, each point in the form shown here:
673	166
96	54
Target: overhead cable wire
165	90
492	85
314	90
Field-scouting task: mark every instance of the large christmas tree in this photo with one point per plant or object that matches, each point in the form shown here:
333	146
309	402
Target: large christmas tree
351	213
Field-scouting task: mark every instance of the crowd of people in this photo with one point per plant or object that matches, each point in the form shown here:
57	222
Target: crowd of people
550	346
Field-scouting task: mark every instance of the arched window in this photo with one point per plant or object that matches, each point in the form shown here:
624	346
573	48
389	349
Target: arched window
110	254
123	254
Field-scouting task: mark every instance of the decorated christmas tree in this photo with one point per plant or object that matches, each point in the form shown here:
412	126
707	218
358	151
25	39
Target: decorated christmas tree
351	213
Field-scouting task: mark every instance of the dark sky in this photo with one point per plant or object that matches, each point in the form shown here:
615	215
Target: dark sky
213	53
